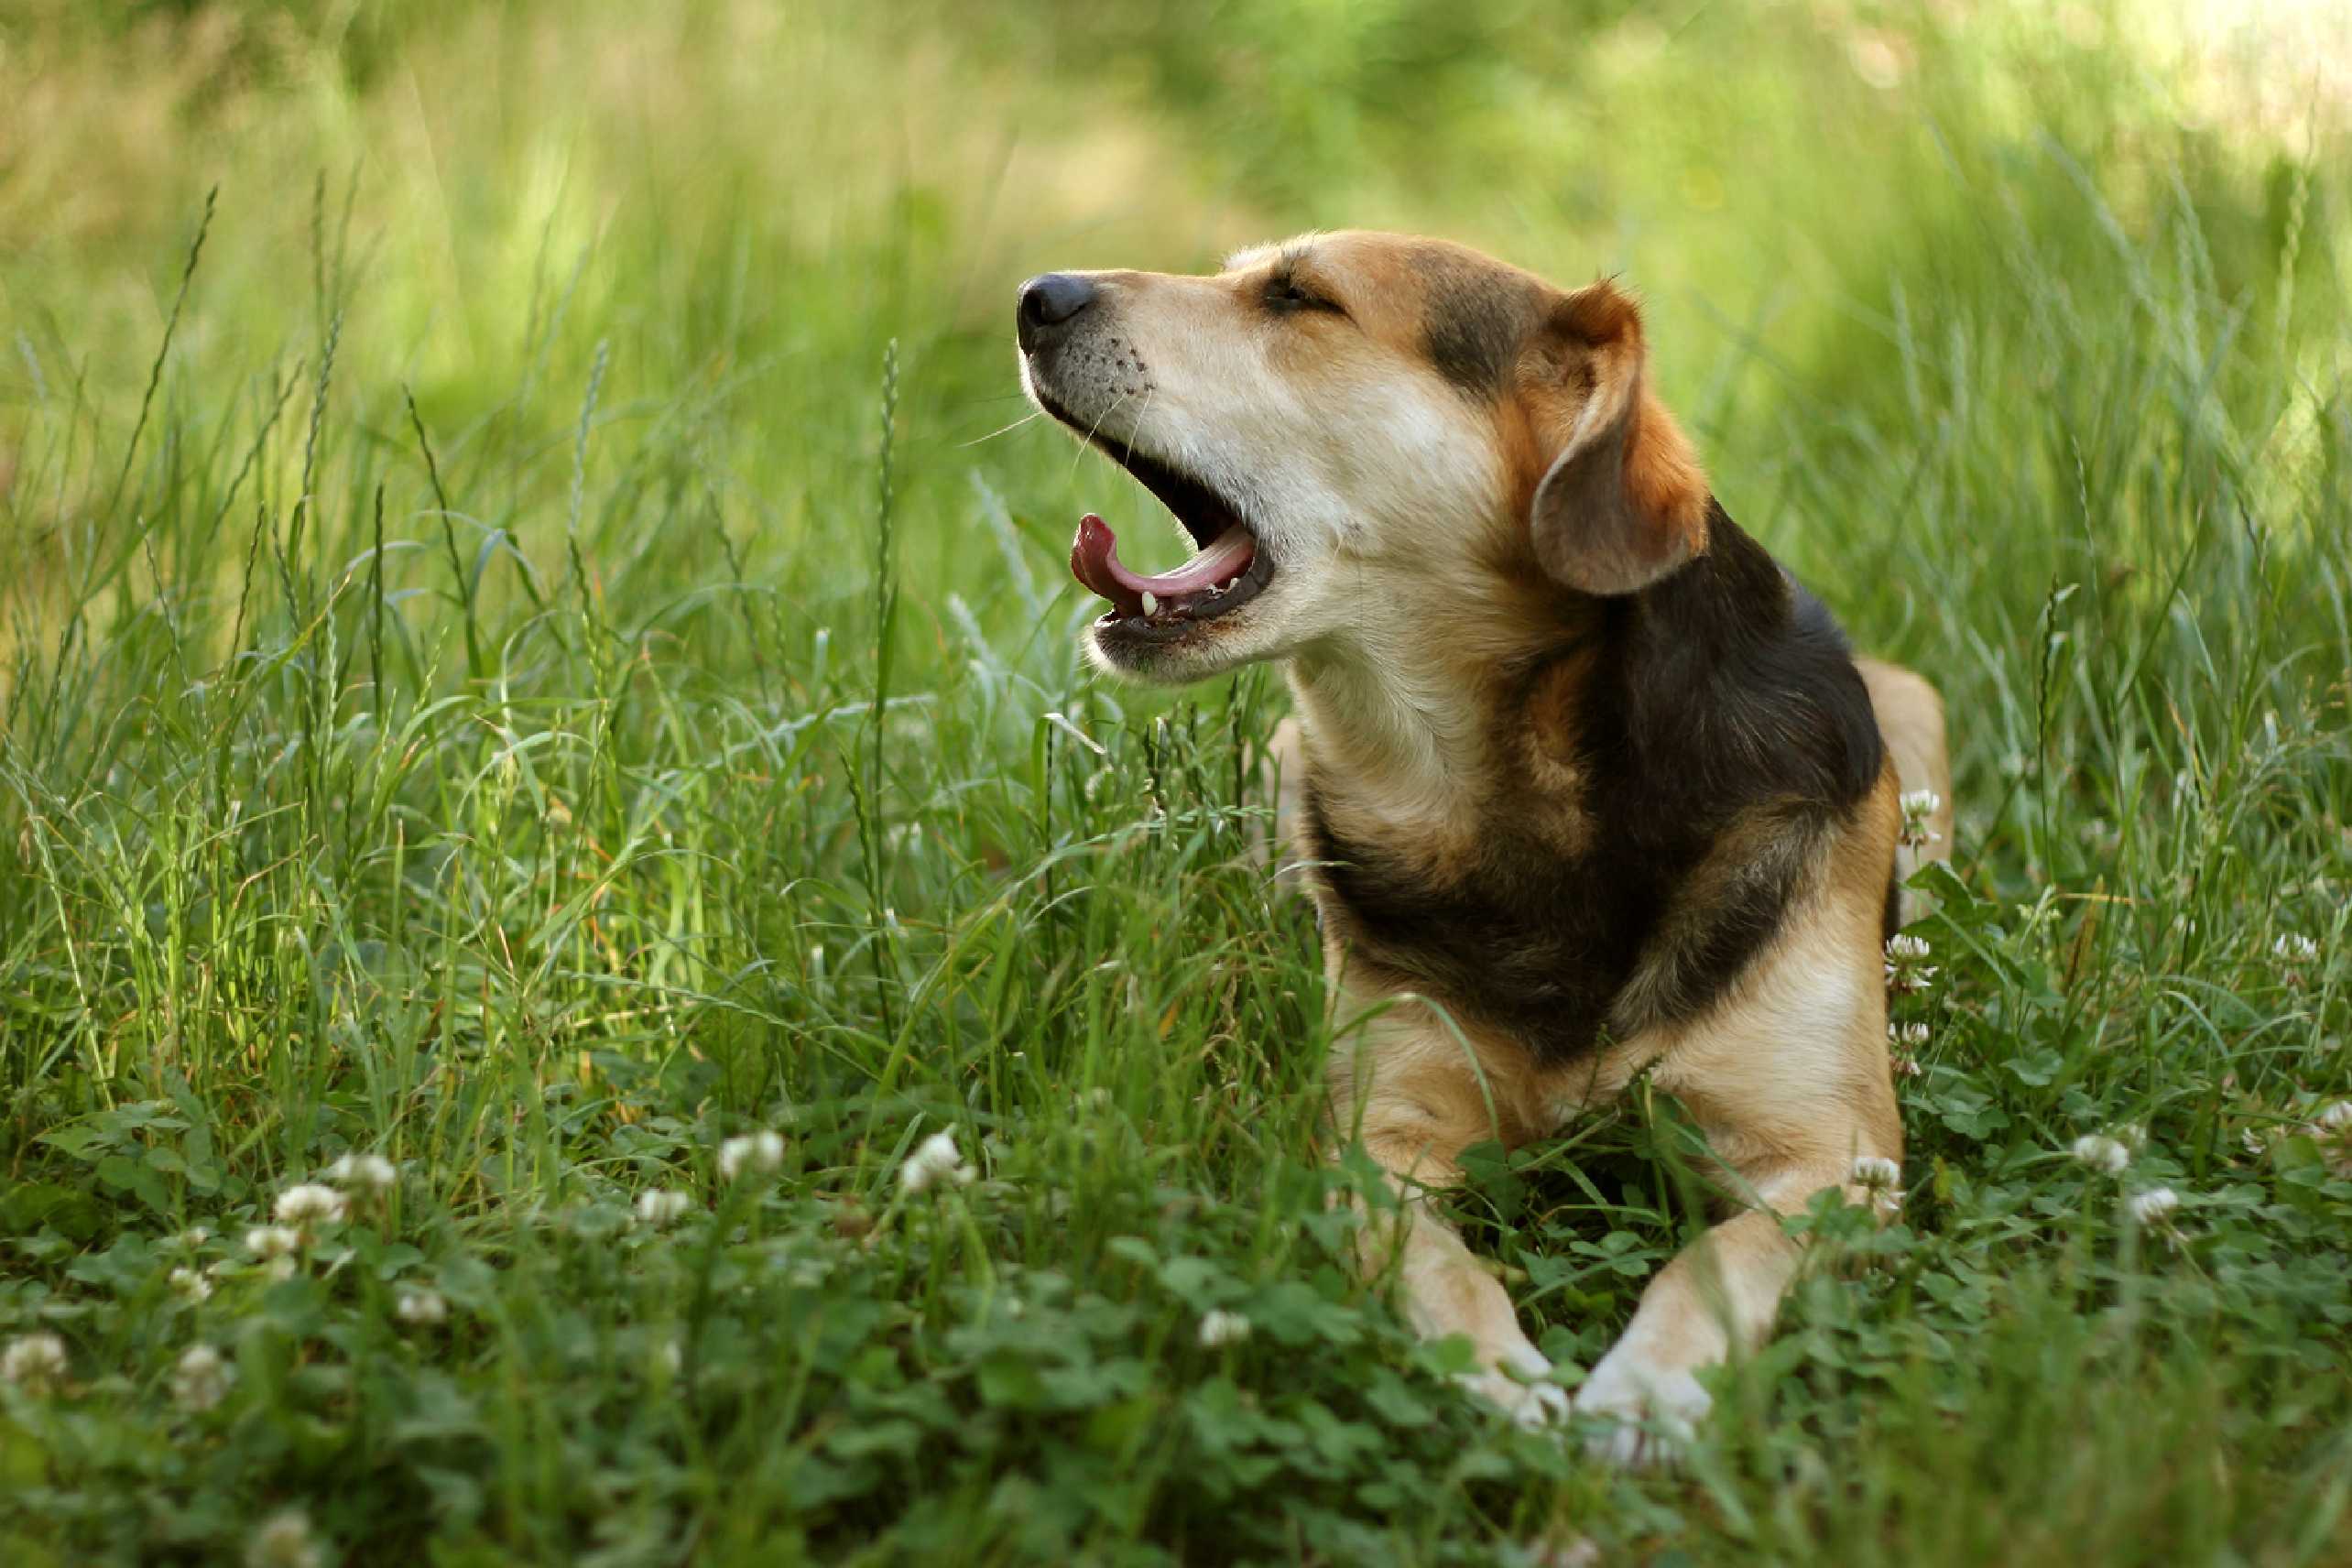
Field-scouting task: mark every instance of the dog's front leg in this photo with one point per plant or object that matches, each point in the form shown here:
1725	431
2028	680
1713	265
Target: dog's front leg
1720	1293
1792	1089
1409	1090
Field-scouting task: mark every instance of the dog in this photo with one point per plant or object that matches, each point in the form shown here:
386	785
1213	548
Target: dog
1584	784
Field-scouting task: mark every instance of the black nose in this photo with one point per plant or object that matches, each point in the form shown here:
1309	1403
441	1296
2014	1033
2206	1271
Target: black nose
1049	301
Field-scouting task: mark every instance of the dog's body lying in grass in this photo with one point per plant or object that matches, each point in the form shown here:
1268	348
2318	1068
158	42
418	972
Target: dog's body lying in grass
1583	776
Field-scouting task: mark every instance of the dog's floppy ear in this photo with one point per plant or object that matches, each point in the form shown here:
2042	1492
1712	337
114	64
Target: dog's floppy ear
1625	502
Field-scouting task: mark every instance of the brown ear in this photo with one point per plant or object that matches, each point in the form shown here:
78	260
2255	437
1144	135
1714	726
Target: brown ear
1625	503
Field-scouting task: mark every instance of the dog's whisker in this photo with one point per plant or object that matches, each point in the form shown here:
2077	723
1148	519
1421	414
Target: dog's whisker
1002	429
1095	428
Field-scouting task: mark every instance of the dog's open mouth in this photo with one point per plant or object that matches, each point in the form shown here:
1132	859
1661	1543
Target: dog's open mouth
1230	569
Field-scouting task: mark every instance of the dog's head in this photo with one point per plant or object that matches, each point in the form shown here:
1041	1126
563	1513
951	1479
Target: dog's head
1356	427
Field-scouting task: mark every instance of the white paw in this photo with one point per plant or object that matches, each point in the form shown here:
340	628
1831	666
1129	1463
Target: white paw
1535	1402
1649	1415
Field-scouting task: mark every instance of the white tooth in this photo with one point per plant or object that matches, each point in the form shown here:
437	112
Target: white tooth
1151	603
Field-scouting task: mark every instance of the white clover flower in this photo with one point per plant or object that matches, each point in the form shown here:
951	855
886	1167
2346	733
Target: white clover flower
1880	1178
2331	1127
2295	948
273	1241
35	1363
2154	1208
935	1159
201	1378
284	1540
761	1151
1904	1042
1875	1173
191	1239
1220	1327
369	1173
420	1309
191	1283
2132	1134
672	1358
309	1204
1918	808
1907	967
659	1207
2106	1155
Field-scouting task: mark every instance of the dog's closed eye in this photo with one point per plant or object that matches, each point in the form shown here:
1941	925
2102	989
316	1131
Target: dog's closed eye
1286	295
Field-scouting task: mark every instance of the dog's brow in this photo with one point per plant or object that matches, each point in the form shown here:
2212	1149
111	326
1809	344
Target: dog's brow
1290	253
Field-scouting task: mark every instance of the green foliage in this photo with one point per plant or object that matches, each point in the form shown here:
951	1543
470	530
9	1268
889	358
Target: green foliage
443	620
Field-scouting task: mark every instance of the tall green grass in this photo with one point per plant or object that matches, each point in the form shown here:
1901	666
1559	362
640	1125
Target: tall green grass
536	644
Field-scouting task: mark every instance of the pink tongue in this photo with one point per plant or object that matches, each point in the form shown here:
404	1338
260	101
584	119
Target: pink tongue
1094	562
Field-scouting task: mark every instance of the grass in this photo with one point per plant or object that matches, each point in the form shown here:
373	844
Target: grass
528	656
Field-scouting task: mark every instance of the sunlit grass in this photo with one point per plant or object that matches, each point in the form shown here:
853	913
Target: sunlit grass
440	740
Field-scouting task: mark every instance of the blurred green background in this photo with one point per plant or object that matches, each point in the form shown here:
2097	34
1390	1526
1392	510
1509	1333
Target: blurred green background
1819	200
439	629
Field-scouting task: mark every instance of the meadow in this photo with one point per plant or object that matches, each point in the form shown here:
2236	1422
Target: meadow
587	978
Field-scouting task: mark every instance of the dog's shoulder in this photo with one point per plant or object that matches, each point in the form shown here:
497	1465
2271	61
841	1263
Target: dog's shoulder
1728	684
1664	793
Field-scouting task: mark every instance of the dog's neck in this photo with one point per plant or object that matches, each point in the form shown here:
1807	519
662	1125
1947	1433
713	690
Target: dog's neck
1396	729
1407	712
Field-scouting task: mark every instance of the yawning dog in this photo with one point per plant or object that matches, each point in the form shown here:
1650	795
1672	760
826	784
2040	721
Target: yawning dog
1587	786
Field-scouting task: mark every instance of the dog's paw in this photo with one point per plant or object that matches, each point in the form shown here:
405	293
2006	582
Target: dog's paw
1645	1415
1535	1402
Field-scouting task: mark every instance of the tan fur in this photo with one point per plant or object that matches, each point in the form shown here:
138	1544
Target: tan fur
1911	722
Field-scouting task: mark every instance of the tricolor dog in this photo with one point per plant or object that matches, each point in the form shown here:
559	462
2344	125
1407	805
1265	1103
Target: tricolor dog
1586	784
